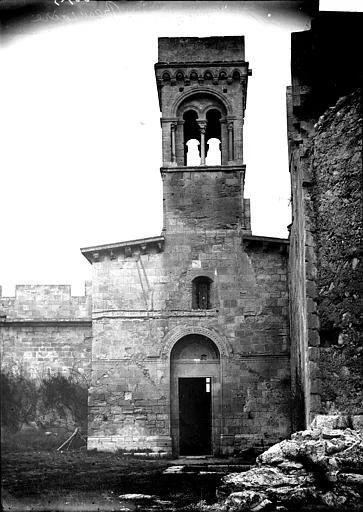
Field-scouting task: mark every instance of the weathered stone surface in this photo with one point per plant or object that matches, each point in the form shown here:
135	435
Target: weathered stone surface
143	297
357	421
334	421
302	471
337	199
43	329
247	500
266	477
325	150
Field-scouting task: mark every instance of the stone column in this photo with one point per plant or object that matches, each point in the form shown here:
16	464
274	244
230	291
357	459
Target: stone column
179	143
224	142
230	141
173	144
202	126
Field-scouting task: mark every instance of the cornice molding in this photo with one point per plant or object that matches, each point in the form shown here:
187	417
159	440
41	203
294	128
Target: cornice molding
204	168
128	248
154	314
267	243
12	322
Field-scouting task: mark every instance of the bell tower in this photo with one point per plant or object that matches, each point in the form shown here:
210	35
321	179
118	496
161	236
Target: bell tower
202	88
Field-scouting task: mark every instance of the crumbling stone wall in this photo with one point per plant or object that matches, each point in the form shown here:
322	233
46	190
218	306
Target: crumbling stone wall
336	195
323	158
325	259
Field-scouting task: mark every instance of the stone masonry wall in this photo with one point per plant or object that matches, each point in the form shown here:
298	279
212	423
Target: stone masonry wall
198	199
142	301
325	267
304	323
43	328
195	49
323	166
336	194
204	71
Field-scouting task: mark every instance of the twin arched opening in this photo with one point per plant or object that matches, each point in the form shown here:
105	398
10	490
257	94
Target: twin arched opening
200	136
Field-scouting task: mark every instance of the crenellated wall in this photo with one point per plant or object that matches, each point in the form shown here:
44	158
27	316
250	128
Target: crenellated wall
44	328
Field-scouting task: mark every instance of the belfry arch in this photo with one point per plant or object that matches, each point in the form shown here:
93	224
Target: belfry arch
195	395
200	117
184	97
191	135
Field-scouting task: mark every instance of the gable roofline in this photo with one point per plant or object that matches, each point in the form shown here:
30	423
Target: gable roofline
267	243
91	253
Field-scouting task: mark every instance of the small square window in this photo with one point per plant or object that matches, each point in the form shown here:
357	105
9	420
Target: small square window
207	384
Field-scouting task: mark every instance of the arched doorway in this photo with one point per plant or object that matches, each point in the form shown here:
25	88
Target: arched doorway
195	396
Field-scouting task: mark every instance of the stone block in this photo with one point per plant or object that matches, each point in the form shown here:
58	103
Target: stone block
313	337
313	354
313	321
311	289
311	305
357	421
330	421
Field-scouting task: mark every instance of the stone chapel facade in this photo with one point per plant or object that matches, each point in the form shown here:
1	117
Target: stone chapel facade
190	329
206	340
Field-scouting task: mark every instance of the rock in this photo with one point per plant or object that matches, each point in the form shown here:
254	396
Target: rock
332	421
247	500
319	468
174	469
307	434
266	476
136	497
351	478
290	465
279	452
357	422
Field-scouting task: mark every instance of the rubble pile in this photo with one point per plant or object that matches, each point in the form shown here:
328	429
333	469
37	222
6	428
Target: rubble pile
319	468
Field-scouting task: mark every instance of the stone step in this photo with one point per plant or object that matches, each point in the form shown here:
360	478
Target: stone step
204	469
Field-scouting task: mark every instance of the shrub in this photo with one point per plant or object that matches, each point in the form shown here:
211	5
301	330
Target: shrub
65	397
55	400
19	397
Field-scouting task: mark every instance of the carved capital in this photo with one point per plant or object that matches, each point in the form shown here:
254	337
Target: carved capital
202	126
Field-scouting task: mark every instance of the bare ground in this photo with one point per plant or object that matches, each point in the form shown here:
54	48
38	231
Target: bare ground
78	480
